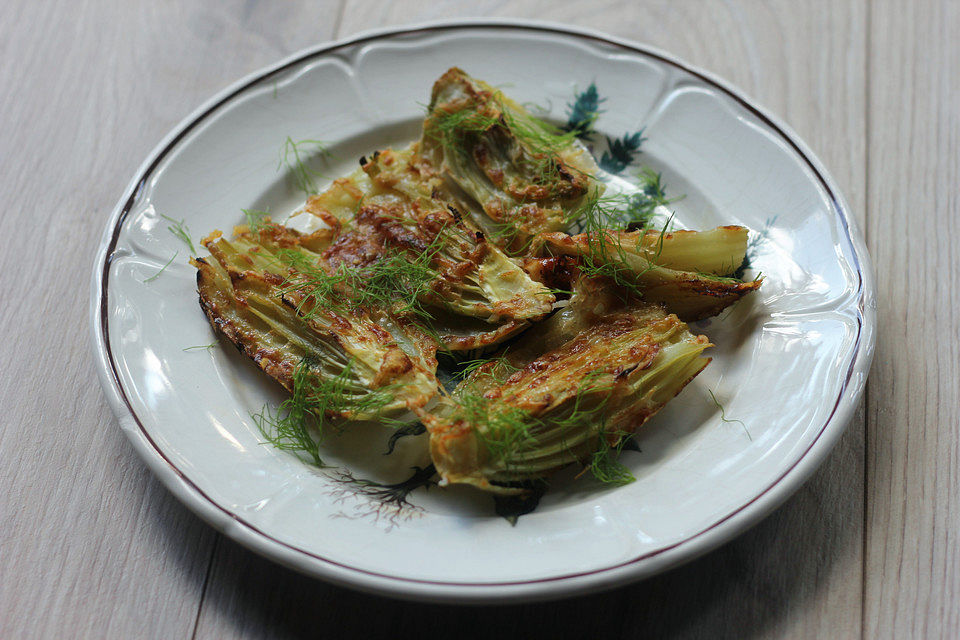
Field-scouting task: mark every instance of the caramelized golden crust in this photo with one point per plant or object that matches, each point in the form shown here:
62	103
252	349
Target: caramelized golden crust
718	251
518	170
395	206
608	347
556	272
412	257
279	329
693	297
682	270
604	381
225	314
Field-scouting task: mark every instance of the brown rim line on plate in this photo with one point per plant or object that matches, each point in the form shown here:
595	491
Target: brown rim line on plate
658	560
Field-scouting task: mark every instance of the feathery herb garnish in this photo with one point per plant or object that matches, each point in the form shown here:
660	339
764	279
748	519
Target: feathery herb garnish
629	211
299	423
455	131
605	464
508	233
641	206
723	415
511	434
605	255
256	220
504	128
162	269
396	282
544	142
504	431
179	229
599	218
295	156
499	367
621	152
501	429
205	347
583	112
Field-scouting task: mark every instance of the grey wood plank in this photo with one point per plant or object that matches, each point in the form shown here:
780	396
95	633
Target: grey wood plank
799	573
913	437
763	585
90	544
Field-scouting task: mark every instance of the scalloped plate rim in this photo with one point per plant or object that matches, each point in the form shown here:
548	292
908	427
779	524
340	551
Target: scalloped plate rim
527	590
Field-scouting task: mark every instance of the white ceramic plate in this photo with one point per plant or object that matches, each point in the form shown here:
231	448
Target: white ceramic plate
789	365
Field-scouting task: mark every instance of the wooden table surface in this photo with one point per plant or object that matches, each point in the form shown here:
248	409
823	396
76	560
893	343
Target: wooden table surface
91	545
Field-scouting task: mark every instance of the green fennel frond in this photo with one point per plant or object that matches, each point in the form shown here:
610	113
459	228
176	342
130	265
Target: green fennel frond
205	347
396	282
503	430
256	220
180	230
162	269
599	216
296	155
723	415
605	464
300	422
623	211
542	141
510	433
500	367
605	256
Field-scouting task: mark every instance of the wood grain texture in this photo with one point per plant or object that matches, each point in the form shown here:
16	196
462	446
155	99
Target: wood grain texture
90	544
913	483
799	573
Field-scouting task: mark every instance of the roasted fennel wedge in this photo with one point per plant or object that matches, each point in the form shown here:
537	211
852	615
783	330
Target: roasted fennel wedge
490	240
515	419
477	295
246	293
690	272
523	173
475	278
388	206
